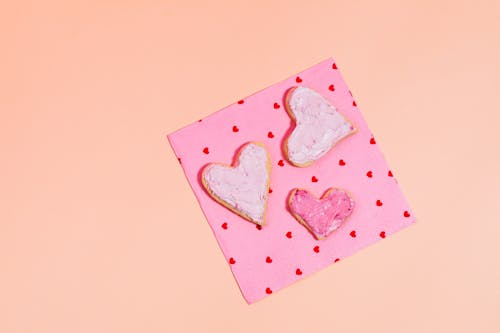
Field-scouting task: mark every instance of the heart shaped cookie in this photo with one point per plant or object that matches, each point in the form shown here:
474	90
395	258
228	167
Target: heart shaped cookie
321	216
318	126
243	187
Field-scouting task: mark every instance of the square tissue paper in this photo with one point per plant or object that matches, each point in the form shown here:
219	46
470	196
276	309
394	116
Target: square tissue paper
291	180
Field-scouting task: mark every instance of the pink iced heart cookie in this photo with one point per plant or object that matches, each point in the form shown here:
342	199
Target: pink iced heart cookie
321	216
243	188
318	126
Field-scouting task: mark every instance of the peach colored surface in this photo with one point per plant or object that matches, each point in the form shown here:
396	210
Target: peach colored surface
97	221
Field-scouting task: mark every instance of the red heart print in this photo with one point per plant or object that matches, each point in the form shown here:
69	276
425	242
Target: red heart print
372	141
269	291
205	150
354	103
406	214
298	79
353	234
341	163
269	260
382	234
289	234
235	129
224	226
270	190
298	271
241	101
369	174
314	179
232	261
331	87
379	203
334	66
281	163
316	249
270	135
276	106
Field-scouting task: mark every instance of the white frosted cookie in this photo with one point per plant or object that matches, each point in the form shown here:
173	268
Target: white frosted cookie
318	126
243	188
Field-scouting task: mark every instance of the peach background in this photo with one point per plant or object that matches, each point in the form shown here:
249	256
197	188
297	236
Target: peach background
93	204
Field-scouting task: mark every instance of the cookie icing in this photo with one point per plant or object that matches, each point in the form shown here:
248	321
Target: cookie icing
244	187
321	216
318	126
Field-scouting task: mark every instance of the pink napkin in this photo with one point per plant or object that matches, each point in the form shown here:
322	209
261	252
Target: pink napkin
266	259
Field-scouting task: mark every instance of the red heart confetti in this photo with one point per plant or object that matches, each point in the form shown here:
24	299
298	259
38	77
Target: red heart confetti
382	234
379	203
341	163
276	106
406	214
372	141
241	101
316	249
269	291
389	174
298	271
236	129
281	163
353	234
369	174
331	87
336	260
270	135
298	79
334	66
259	227
269	260
314	179
224	226
205	150
232	261
354	103
288	234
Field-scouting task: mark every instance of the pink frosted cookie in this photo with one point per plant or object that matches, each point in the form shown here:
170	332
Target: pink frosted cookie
243	188
318	126
321	216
